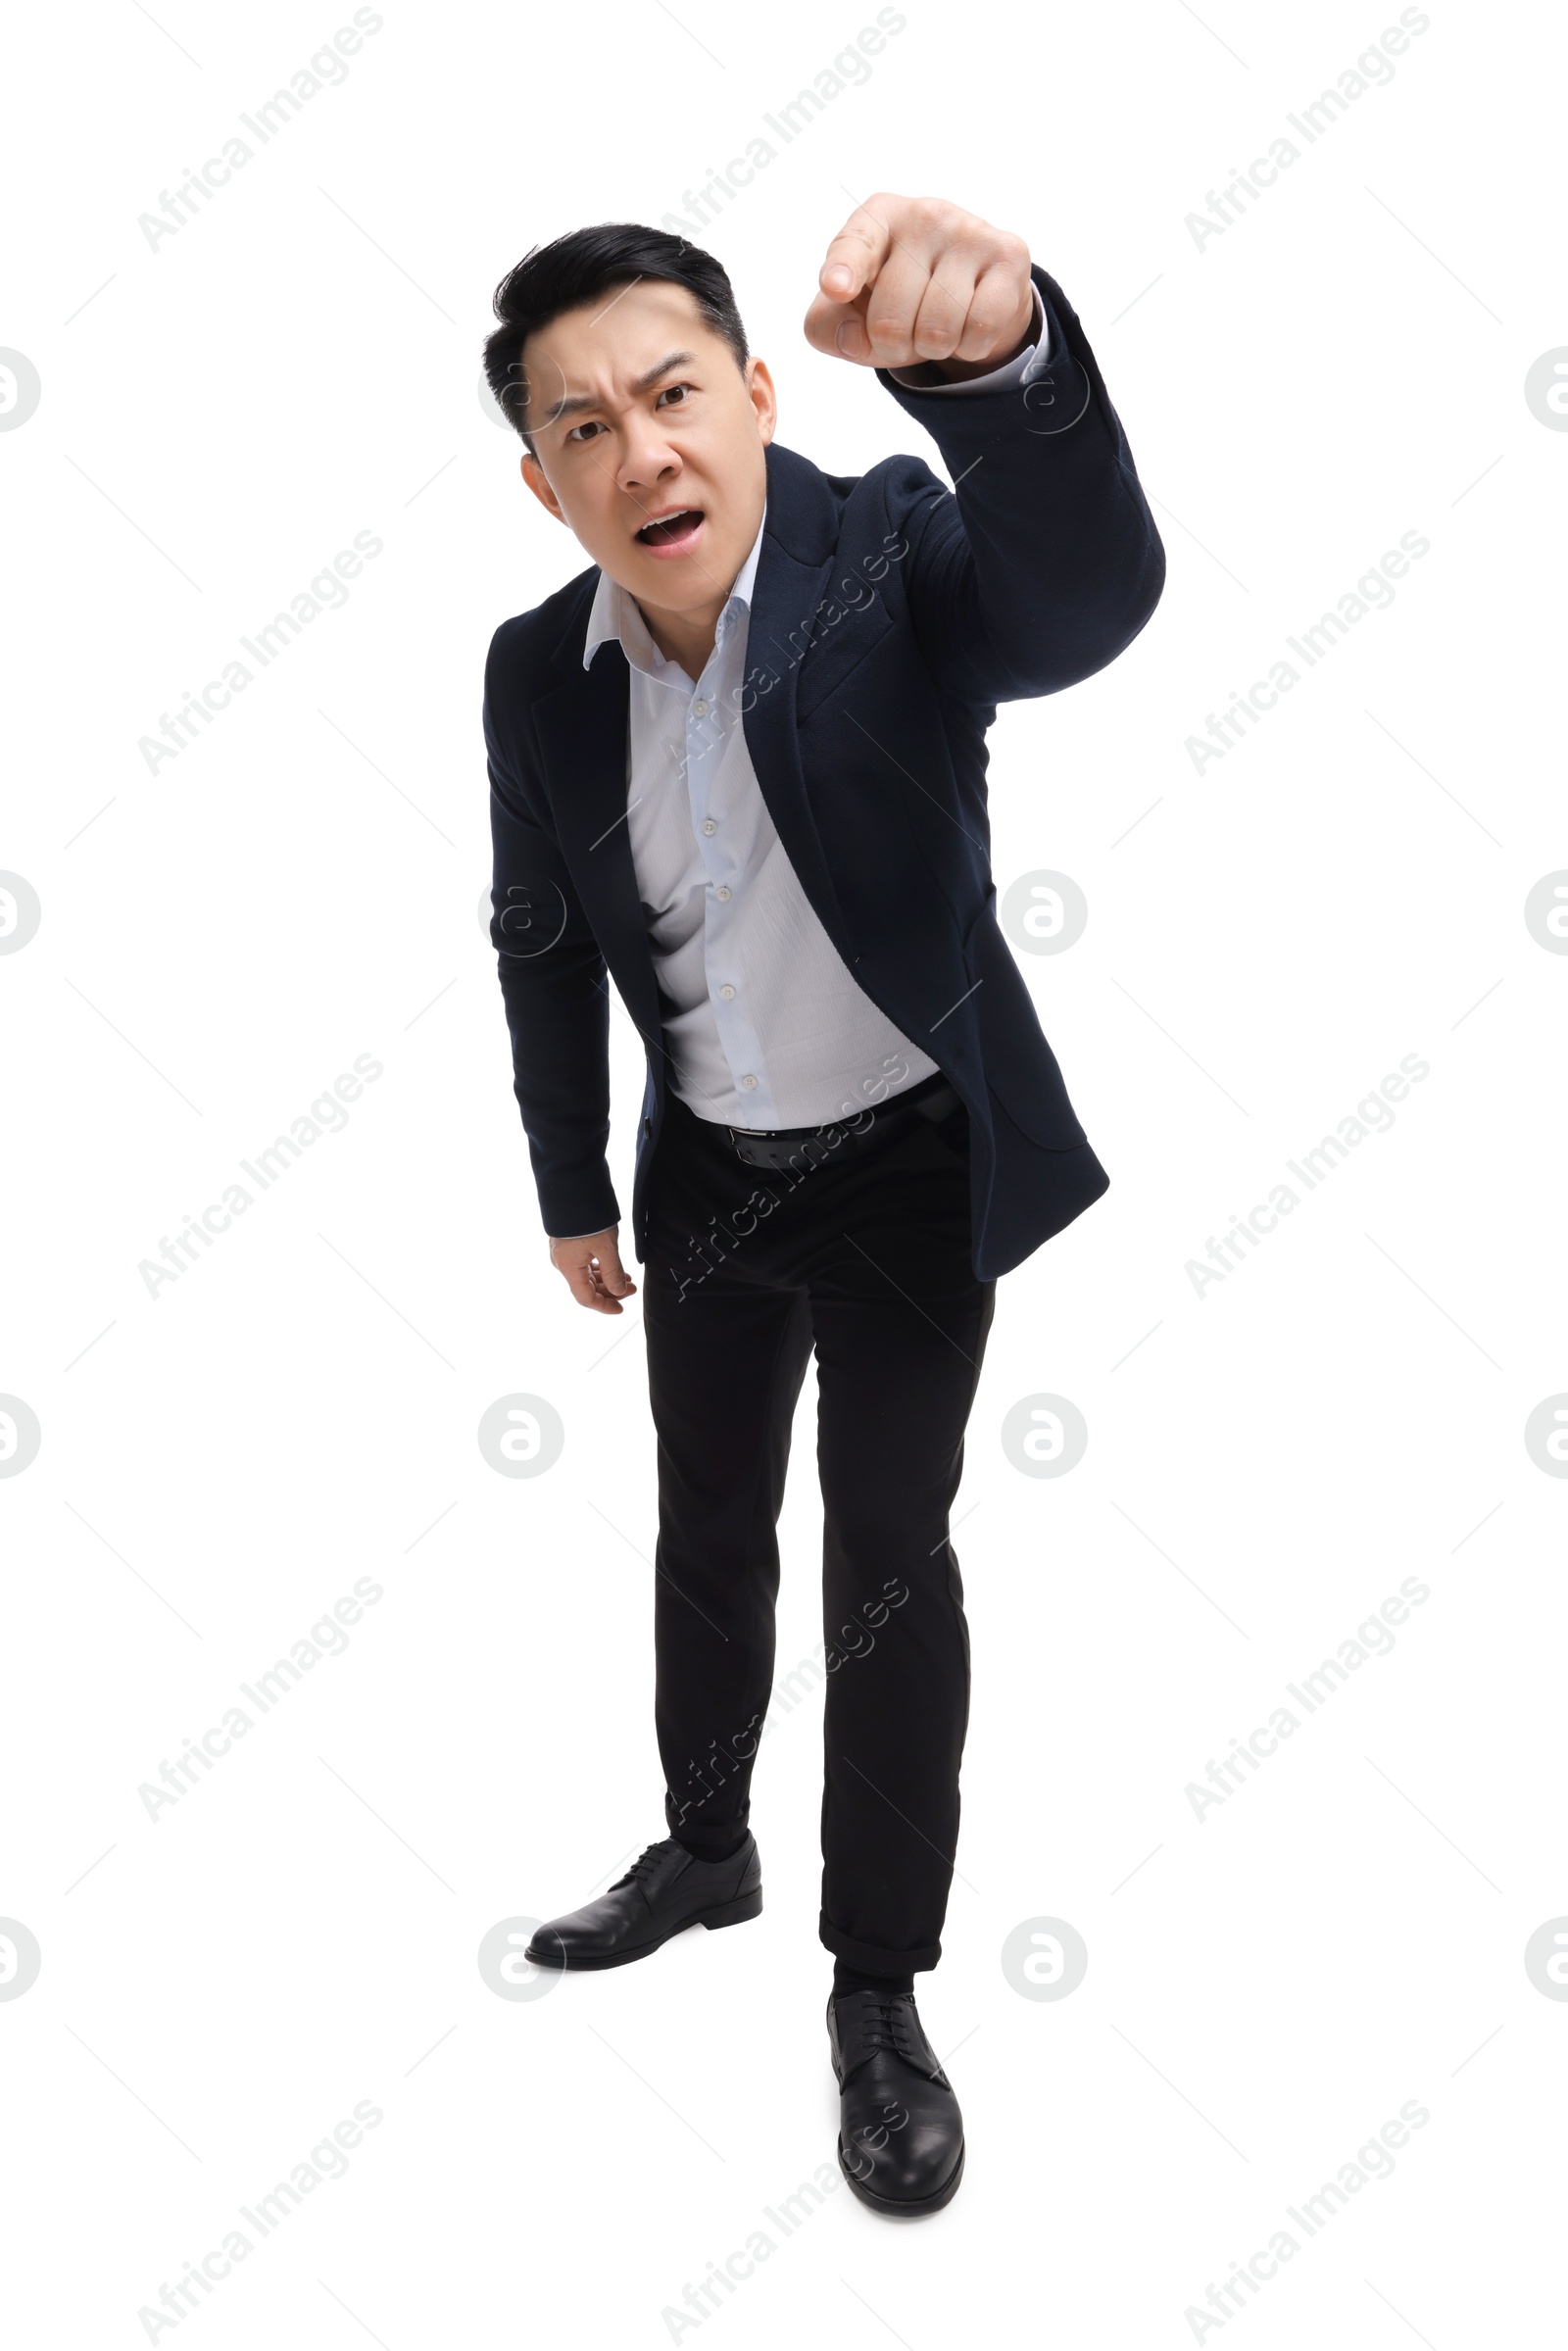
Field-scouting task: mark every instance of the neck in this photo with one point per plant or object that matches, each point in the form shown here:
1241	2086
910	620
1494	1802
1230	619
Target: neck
685	637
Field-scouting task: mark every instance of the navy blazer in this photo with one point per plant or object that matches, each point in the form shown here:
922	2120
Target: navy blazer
890	617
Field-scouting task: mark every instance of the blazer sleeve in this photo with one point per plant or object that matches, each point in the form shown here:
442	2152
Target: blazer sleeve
553	980
1044	563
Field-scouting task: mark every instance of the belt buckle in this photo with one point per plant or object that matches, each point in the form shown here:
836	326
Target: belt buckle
740	1137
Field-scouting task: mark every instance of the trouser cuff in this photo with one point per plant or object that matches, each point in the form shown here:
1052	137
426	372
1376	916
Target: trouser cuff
877	1959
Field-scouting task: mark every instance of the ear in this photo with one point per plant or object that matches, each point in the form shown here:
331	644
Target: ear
763	399
533	473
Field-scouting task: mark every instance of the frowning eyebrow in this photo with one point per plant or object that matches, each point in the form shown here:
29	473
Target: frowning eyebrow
576	402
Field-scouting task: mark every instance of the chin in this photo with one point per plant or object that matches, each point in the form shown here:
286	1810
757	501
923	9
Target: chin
678	587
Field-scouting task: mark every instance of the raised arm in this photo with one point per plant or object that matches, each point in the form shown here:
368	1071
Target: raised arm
1044	563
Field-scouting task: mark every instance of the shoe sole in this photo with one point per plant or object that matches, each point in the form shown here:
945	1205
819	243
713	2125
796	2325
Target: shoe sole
901	2208
728	1914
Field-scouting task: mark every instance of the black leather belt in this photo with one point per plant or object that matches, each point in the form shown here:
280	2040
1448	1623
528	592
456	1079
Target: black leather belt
784	1146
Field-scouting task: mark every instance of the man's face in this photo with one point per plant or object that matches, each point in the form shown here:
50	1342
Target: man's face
650	442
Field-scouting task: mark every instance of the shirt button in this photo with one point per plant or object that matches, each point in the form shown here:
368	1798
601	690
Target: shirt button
708	826
748	1082
721	891
700	709
726	991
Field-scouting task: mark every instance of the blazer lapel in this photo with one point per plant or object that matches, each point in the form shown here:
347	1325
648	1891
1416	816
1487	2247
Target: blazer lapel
792	573
582	734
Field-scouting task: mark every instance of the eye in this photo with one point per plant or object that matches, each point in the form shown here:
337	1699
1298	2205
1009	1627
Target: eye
576	431
673	391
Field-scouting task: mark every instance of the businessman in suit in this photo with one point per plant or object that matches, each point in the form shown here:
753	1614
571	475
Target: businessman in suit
738	766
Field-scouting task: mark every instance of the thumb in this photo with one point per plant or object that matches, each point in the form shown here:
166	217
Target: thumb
611	1273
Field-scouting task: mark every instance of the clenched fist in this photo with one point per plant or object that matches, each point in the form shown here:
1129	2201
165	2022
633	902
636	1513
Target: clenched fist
913	278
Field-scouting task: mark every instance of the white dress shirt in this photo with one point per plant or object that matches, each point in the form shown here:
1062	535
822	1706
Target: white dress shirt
767	1027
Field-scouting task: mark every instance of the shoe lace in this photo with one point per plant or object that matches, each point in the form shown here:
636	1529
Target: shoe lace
883	2023
643	1864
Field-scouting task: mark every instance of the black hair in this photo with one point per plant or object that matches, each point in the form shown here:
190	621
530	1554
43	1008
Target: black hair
576	269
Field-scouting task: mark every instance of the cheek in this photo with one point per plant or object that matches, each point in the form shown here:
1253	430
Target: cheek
585	497
732	471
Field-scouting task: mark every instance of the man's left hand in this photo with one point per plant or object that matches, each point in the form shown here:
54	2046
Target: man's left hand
913	278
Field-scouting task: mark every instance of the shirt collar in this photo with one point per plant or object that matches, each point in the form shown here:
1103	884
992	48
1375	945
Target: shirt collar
616	614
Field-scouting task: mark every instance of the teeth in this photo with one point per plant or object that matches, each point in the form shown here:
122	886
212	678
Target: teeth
663	519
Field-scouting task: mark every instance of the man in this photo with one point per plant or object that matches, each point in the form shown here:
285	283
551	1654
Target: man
740	764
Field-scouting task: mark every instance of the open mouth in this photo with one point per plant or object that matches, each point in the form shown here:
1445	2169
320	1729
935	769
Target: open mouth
671	532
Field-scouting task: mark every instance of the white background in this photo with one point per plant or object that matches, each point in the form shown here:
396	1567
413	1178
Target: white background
1266	1462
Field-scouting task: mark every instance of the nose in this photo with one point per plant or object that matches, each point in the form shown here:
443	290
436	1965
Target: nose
647	460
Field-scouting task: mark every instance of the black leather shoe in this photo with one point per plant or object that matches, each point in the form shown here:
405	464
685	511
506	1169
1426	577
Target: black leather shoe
901	2134
666	1890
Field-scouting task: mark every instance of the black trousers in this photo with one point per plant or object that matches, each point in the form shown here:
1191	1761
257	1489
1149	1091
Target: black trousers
862	1252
